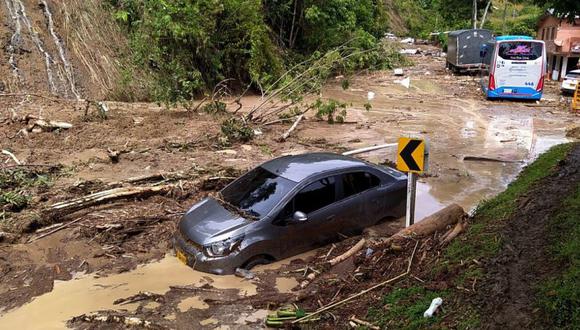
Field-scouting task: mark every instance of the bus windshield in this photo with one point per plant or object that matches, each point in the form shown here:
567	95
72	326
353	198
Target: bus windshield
520	50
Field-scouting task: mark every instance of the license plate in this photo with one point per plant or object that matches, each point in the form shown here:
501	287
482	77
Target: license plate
181	256
507	91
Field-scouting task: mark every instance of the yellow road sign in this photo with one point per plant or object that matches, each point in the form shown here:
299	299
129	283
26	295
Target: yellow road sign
411	155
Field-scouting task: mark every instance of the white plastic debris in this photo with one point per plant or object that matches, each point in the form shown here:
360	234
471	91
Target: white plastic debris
434	305
369	252
405	82
410	51
398	72
370	95
408	41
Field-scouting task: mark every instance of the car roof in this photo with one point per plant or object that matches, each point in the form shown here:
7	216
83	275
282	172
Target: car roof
298	167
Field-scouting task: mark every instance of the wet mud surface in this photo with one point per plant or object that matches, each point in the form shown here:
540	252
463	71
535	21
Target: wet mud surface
121	249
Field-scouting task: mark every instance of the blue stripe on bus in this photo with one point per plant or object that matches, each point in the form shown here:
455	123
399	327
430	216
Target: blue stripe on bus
522	93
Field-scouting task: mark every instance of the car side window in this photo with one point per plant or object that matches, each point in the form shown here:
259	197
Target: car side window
313	197
357	182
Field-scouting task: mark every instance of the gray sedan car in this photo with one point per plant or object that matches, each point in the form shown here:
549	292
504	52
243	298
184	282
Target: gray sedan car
287	206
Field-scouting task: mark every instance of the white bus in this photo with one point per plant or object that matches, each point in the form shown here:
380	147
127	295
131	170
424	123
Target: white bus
513	67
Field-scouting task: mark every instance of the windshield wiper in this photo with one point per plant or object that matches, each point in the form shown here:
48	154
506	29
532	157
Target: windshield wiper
232	208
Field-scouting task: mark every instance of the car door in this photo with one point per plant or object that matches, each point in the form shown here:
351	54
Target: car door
365	188
316	201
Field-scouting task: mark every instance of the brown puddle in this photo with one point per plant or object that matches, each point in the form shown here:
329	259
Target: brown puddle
88	294
286	284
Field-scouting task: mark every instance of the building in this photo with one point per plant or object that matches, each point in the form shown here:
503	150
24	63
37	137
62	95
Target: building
562	40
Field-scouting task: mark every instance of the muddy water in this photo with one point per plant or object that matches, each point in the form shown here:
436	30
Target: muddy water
511	132
87	293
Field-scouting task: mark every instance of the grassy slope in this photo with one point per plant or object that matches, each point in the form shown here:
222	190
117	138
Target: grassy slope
403	308
561	295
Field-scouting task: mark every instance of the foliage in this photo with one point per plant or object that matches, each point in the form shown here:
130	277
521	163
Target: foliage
214	107
503	17
190	45
331	110
560	297
236	130
515	19
16	185
566	8
13	201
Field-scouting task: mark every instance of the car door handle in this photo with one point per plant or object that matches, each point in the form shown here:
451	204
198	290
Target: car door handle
330	217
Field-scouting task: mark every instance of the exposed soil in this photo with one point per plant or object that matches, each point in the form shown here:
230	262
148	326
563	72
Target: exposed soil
508	295
118	249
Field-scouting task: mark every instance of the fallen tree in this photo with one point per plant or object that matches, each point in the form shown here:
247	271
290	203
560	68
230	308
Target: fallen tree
72	205
437	222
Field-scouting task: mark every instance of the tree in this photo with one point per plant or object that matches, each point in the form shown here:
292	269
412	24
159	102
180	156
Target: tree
563	8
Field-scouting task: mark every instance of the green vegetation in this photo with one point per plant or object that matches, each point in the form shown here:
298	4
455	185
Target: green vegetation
483	237
330	110
189	46
403	308
560	295
16	186
503	17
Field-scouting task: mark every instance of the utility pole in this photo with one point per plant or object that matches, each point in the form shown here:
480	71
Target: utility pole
474	15
504	17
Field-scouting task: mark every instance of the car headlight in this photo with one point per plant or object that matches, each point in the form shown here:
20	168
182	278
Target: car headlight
223	248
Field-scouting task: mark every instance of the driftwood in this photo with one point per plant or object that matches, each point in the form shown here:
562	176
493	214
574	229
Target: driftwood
359	322
352	251
438	221
59	228
450	215
288	132
6	152
328	307
458	229
489	159
125	321
73	205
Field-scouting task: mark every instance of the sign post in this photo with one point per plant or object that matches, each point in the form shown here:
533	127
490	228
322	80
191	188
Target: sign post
412	157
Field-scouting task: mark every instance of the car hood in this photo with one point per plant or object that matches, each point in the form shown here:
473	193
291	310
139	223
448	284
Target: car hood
208	221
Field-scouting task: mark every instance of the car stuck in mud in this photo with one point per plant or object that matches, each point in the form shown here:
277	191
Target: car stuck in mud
287	206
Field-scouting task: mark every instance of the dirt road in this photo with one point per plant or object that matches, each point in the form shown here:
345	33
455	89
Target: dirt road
117	250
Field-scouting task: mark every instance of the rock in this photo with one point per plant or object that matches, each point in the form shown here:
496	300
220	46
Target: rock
244	273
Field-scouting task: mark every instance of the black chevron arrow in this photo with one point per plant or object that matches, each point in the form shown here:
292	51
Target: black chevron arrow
407	156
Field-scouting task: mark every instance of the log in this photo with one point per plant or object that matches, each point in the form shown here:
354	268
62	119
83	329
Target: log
6	152
287	134
438	221
105	196
353	250
458	229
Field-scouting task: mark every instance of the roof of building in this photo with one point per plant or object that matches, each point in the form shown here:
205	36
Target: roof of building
459	32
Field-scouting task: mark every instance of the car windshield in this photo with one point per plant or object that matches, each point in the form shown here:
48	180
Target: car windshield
257	192
520	50
573	76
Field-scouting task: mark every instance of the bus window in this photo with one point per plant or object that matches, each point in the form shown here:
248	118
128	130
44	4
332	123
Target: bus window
520	50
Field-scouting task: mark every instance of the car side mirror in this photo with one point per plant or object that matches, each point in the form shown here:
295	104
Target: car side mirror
299	216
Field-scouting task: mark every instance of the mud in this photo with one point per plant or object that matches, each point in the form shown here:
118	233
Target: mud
119	249
508	295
